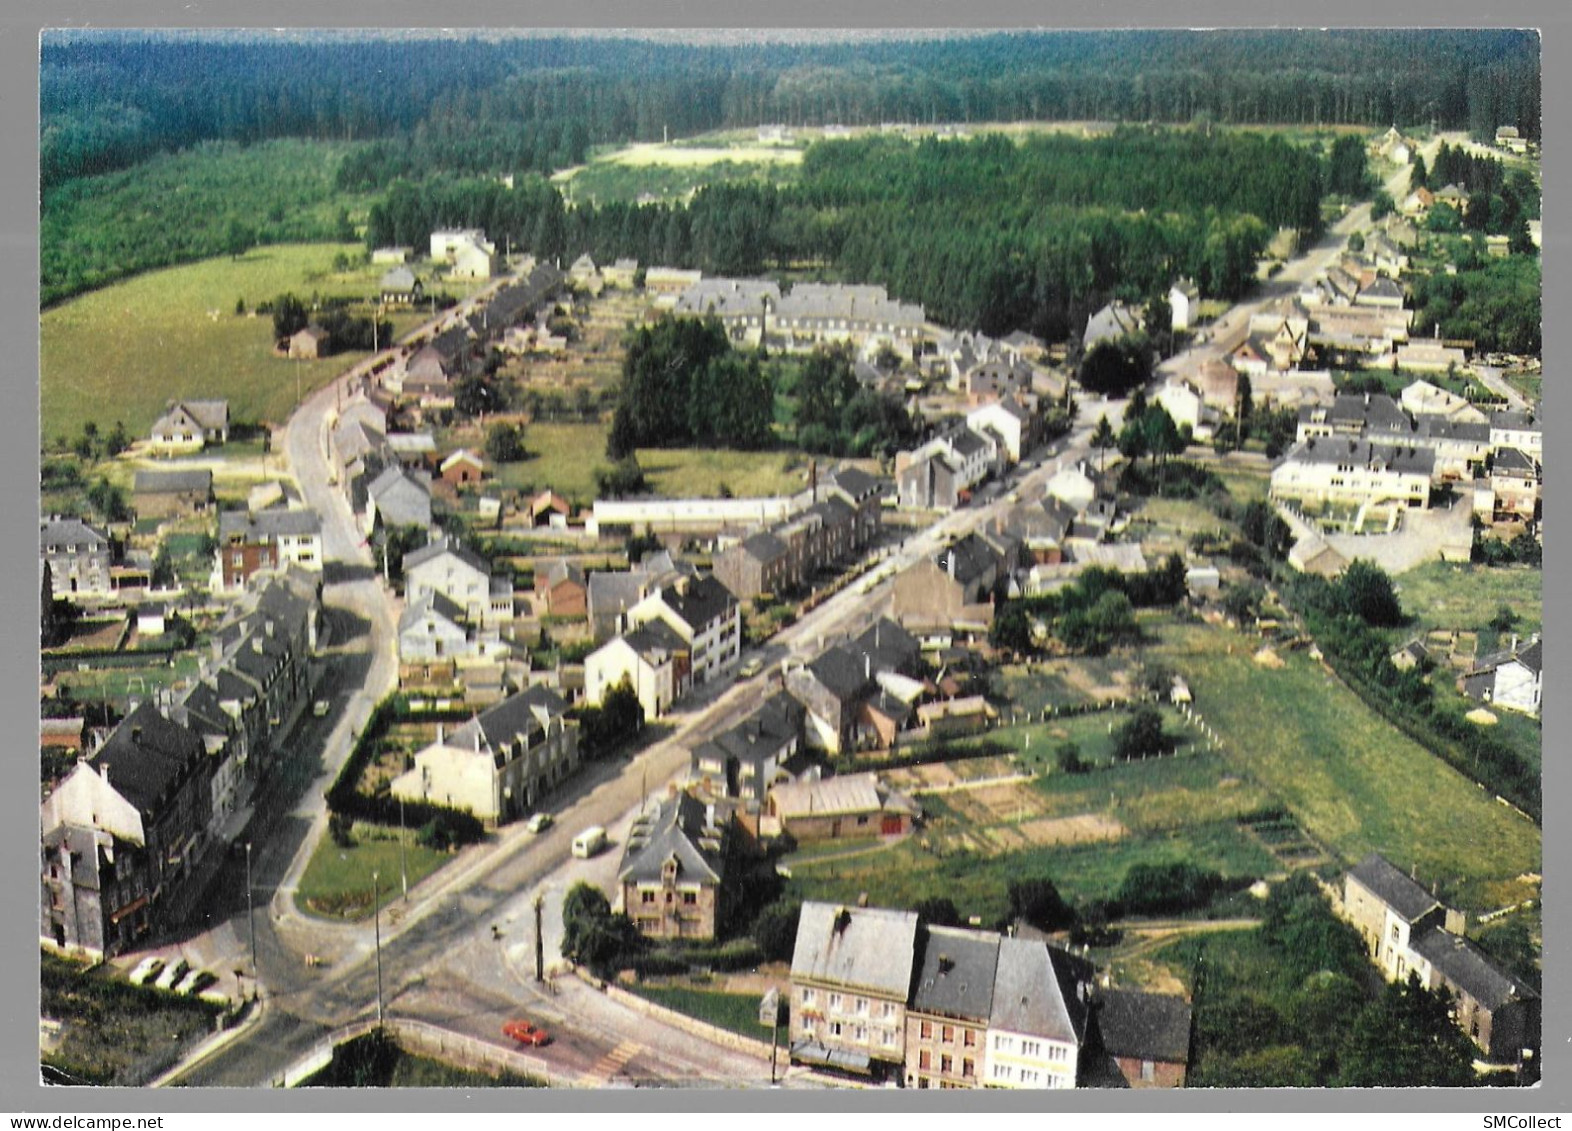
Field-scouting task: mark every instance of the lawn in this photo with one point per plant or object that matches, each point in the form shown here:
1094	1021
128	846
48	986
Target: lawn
737	1013
565	458
1441	595
1351	780
118	684
337	881
122	352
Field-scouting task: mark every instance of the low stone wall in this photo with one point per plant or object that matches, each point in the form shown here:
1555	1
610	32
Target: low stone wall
702	1029
421	1039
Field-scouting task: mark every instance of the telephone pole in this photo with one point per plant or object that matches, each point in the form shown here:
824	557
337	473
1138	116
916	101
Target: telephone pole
376	920
540	940
251	920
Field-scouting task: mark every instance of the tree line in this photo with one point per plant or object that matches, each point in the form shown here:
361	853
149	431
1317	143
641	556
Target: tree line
111	98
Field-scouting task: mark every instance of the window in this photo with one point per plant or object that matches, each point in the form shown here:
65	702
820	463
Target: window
887	1038
1001	1043
1148	1070
862	1006
887	1010
949	1034
927	1030
922	1081
969	1038
925	1059
946	1064
969	1068
647	896
808	995
1031	1048
835	1028
689	898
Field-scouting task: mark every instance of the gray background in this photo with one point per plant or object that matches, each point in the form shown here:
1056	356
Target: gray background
20	24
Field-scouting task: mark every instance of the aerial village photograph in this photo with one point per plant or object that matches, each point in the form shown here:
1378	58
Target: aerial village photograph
800	560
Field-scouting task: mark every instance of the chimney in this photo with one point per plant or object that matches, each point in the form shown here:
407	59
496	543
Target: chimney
439	734
867	666
103	770
136	734
946	964
1514	644
842	920
951	569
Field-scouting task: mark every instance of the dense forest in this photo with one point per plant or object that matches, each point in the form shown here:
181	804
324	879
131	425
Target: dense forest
111	98
988	233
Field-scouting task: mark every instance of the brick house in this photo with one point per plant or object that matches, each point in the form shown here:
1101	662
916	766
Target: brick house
854	805
1146	1036
269	540
462	468
673	871
954	587
758	564
561	588
951	1004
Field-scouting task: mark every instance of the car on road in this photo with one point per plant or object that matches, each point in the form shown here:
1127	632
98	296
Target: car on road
589	842
751	668
539	823
526	1033
320	708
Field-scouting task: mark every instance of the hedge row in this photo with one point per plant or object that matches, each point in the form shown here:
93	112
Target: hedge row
345	800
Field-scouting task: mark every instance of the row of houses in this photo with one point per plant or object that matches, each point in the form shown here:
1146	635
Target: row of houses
844	517
126	831
676	637
454	604
1411	933
880	994
1370	449
807	317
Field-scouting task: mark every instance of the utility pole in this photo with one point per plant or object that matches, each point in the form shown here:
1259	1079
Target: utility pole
251	920
376	921
540	940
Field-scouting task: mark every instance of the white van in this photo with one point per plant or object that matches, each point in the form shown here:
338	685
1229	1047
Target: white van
589	842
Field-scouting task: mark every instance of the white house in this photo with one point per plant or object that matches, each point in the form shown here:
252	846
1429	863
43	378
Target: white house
653	660
1007	419
1183	299
704	614
1038	1021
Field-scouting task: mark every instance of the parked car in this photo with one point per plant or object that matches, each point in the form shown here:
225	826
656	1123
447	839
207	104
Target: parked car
539	823
146	969
751	667
172	974
320	708
526	1033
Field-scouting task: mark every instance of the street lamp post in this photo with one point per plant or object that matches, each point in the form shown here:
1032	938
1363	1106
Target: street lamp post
376	921
251	921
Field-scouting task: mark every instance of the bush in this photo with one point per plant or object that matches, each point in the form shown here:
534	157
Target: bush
1166	889
1142	736
1039	903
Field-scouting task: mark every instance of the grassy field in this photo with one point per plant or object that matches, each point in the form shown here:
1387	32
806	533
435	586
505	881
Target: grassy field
337	881
122	352
736	1013
118	684
565	457
905	872
1440	595
1350	779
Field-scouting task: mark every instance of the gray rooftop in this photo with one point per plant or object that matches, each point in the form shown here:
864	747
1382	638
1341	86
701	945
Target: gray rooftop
172	482
1036	992
267	525
1144	1026
866	948
1464	965
956	976
1401	893
680	829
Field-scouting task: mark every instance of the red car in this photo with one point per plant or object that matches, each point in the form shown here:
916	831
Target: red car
526	1033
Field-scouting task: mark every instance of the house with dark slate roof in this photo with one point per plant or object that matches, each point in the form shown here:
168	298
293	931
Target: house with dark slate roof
950	590
78	556
673	871
1499	1012
1410	933
653	659
951	1004
501	763
703	612
747	759
1038	1024
1146	1036
146	787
